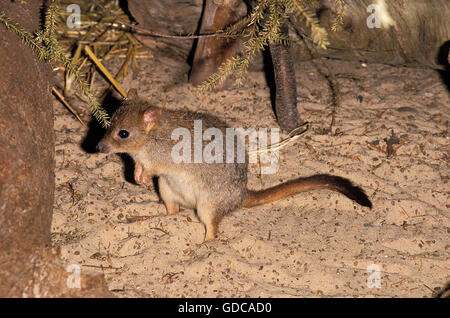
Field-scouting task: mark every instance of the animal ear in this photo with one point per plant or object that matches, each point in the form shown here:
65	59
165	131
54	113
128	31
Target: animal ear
132	94
151	117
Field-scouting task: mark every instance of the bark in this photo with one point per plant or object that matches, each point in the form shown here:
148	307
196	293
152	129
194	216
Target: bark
210	53
28	267
285	86
421	30
167	17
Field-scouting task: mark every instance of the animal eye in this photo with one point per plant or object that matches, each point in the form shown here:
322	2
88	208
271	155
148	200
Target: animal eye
123	134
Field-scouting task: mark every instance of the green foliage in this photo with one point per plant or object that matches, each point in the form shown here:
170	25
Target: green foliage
259	28
262	26
45	44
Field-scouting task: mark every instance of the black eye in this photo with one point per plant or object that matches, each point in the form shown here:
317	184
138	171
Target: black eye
123	134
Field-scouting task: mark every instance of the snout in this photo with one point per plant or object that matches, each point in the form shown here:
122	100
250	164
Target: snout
103	147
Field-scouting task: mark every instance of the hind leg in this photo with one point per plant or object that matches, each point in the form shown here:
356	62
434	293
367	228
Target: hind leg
209	218
169	198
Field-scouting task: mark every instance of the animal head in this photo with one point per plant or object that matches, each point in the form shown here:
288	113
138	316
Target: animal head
131	125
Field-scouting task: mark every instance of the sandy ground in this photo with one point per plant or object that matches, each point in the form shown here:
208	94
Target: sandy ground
390	136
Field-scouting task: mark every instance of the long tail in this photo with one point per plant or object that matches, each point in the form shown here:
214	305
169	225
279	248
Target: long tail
319	181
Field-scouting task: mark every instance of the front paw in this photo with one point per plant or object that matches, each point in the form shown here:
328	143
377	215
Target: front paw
141	176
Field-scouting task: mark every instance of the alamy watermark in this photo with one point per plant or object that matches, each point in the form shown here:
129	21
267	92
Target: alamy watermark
379	16
74	279
74	19
374	278
213	152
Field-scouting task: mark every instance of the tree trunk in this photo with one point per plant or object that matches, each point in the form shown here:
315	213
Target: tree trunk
285	85
210	53
27	266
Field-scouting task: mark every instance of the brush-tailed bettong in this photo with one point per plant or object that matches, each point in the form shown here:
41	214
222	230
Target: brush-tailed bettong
212	189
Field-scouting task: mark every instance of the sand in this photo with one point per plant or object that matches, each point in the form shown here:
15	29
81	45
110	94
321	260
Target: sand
389	136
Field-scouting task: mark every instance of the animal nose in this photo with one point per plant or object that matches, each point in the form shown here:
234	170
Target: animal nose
102	147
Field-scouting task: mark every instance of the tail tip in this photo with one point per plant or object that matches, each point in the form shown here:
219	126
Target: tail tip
364	200
353	192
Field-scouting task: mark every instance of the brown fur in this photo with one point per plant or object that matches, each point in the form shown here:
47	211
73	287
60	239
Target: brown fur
212	189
